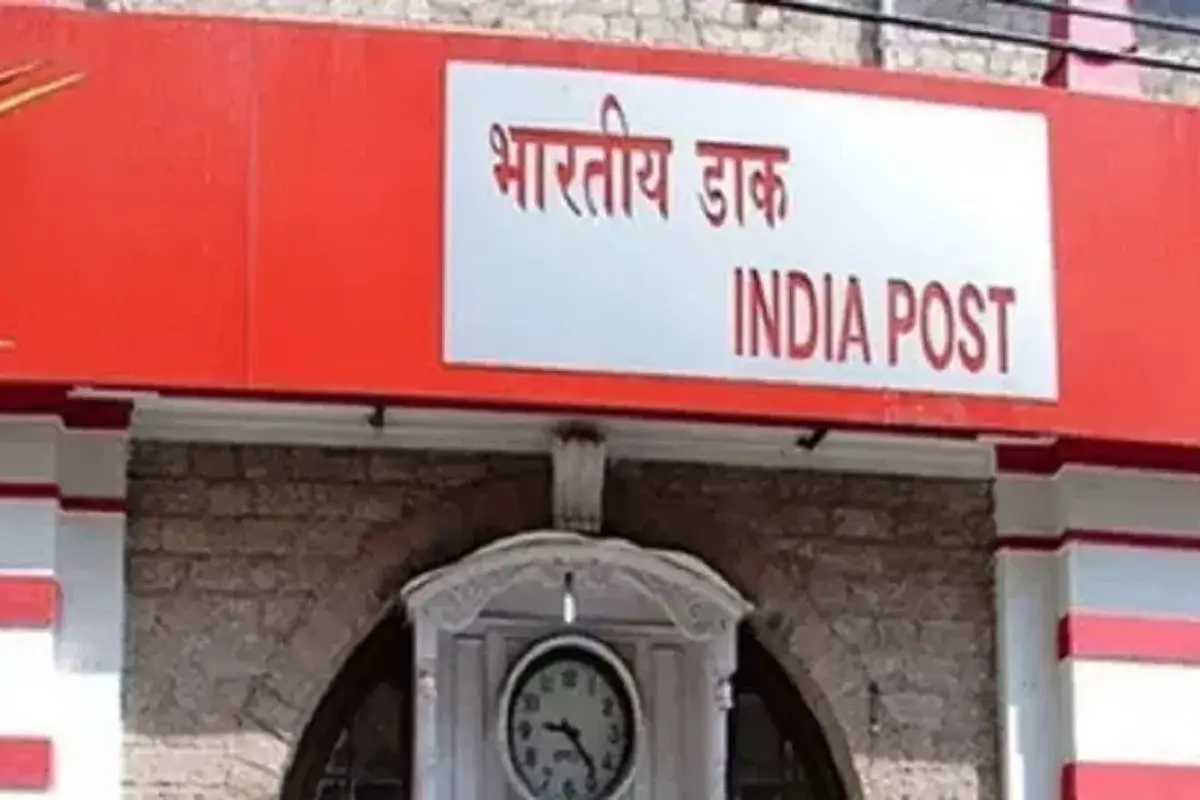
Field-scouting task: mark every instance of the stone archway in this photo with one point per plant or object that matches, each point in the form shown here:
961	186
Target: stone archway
763	677
254	577
385	657
381	663
303	673
342	625
386	653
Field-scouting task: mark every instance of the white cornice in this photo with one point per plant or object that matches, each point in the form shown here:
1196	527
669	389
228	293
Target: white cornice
250	422
1092	498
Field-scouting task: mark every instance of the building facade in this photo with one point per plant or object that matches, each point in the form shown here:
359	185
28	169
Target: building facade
329	409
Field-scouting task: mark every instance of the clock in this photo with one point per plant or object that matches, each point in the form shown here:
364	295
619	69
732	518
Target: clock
570	721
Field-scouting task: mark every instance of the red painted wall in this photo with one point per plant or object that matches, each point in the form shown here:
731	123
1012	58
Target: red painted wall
245	206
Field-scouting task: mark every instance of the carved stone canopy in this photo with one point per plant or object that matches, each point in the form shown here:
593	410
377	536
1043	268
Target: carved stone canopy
701	604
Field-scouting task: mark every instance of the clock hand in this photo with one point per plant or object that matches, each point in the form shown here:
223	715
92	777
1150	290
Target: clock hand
564	727
573	733
575	738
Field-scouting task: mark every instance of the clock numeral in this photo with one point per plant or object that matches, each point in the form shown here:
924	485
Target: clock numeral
546	682
570	678
607	762
614	734
525	730
607	706
547	773
530	757
531	702
568	789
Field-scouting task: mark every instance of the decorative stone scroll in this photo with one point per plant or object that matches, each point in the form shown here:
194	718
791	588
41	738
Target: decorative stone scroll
579	459
699	603
693	596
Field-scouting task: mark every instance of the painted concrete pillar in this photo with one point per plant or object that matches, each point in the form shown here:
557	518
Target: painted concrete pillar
1099	602
1026	628
62	527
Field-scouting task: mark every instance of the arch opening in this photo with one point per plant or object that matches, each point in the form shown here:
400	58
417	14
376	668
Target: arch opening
777	747
358	743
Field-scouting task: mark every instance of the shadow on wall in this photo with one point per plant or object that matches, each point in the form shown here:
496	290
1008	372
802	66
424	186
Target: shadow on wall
254	573
1174	8
917	50
1179	46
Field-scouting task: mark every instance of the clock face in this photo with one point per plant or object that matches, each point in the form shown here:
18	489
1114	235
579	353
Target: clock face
570	726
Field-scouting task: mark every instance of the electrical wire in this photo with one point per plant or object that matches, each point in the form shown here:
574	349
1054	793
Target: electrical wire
1149	21
978	32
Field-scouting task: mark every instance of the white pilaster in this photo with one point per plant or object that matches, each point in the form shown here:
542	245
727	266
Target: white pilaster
1026	649
1098	589
89	556
29	603
62	523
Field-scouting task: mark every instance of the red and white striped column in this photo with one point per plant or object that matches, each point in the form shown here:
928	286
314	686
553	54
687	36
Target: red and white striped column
1098	584
1026	620
62	530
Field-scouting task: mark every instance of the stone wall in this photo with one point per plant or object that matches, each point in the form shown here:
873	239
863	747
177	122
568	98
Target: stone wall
253	571
732	25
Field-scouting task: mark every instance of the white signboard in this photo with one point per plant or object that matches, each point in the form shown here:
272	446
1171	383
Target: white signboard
619	223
